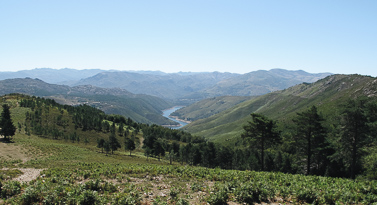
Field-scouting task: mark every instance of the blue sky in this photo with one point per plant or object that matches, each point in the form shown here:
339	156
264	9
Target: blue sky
337	36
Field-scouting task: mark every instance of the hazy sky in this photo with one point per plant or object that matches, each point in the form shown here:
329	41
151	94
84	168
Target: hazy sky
337	36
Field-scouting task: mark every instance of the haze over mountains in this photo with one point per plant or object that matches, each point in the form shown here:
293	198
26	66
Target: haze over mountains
142	95
182	86
64	76
139	107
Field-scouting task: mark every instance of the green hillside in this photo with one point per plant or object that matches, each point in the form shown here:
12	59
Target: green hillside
54	158
208	107
139	107
327	94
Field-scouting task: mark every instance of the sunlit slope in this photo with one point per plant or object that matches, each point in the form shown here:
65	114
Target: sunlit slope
208	107
139	107
327	94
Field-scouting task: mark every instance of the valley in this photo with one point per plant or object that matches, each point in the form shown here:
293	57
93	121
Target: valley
73	168
119	158
188	102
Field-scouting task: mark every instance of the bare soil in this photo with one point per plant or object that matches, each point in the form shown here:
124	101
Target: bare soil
10	151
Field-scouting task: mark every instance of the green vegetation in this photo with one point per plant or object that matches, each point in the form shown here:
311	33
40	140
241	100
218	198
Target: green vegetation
261	133
138	107
326	94
69	144
208	107
7	129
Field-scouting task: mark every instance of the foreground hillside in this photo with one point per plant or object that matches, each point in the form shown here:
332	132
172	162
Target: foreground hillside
48	168
327	94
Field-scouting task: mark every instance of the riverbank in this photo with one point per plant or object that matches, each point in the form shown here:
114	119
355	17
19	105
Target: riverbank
167	112
176	118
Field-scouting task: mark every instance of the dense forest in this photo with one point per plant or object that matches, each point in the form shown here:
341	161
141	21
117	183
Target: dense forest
307	144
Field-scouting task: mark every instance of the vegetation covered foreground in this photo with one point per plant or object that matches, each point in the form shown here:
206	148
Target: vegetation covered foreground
85	158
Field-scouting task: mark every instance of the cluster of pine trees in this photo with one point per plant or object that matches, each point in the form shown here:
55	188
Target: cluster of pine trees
312	145
52	120
308	144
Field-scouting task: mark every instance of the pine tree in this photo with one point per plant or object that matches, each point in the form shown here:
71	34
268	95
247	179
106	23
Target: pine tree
129	144
107	147
113	142
355	131
261	132
6	124
158	149
310	133
100	143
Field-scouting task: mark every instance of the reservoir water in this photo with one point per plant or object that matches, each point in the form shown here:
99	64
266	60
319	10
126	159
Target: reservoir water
166	113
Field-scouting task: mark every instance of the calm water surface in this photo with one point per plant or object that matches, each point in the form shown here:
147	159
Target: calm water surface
169	111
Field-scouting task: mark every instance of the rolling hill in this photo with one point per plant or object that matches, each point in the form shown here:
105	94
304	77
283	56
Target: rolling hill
141	108
327	94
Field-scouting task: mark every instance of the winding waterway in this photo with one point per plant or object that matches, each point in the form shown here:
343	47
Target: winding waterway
166	113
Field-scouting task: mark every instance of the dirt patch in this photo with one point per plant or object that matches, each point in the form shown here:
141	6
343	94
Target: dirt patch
10	151
27	175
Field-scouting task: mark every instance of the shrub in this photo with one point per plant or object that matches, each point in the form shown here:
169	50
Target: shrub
10	189
174	193
131	198
29	196
88	197
182	202
219	198
93	185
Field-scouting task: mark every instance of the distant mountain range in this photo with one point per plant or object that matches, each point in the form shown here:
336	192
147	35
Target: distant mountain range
180	88
186	88
139	107
170	86
142	95
65	76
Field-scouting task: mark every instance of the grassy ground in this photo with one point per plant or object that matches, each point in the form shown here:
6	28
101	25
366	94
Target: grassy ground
35	170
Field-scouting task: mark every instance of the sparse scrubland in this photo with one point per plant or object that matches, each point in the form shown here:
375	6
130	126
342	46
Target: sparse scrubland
76	155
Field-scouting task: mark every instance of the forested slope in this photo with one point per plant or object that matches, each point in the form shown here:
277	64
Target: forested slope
139	107
327	94
87	157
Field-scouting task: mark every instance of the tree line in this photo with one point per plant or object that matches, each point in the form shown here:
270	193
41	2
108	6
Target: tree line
308	144
316	147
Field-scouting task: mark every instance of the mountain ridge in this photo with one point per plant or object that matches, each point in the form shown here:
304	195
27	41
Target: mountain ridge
182	87
192	87
327	94
141	108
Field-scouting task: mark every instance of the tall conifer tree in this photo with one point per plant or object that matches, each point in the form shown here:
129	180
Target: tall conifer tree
310	132
261	132
6	124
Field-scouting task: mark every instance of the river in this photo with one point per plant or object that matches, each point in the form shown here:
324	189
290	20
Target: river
166	113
